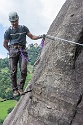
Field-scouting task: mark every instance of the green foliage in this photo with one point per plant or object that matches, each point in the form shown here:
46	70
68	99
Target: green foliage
1	121
30	68
28	78
5	106
33	53
4	63
5	86
9	110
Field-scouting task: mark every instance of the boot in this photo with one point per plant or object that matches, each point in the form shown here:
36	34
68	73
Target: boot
21	92
15	93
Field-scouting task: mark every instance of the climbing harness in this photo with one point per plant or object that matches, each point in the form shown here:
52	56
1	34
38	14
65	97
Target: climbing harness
54	38
10	98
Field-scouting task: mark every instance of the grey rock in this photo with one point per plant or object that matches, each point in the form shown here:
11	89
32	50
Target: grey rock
57	81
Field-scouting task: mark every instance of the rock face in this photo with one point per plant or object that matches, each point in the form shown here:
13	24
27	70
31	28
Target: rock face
57	81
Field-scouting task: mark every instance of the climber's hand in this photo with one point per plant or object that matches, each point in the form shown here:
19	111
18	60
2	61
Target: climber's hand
42	36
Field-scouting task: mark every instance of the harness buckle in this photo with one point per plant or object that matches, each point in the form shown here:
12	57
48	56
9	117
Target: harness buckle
17	46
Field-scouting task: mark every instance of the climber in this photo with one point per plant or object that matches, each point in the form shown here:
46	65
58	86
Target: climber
15	43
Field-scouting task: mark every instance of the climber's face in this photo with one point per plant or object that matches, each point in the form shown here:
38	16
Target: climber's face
14	24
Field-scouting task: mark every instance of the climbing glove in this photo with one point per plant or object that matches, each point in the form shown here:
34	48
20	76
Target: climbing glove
42	36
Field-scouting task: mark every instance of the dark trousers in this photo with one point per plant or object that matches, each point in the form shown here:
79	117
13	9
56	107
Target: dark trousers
15	56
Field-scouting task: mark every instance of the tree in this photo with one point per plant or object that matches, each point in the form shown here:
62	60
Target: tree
33	53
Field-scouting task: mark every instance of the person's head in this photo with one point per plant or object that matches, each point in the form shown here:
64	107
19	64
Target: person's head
13	18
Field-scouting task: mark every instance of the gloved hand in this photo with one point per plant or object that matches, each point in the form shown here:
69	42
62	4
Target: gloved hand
42	36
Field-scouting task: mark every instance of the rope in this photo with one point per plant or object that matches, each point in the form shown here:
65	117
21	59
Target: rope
42	43
23	56
54	38
15	97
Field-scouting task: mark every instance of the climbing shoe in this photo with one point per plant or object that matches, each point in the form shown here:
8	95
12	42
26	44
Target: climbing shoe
15	93
21	92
